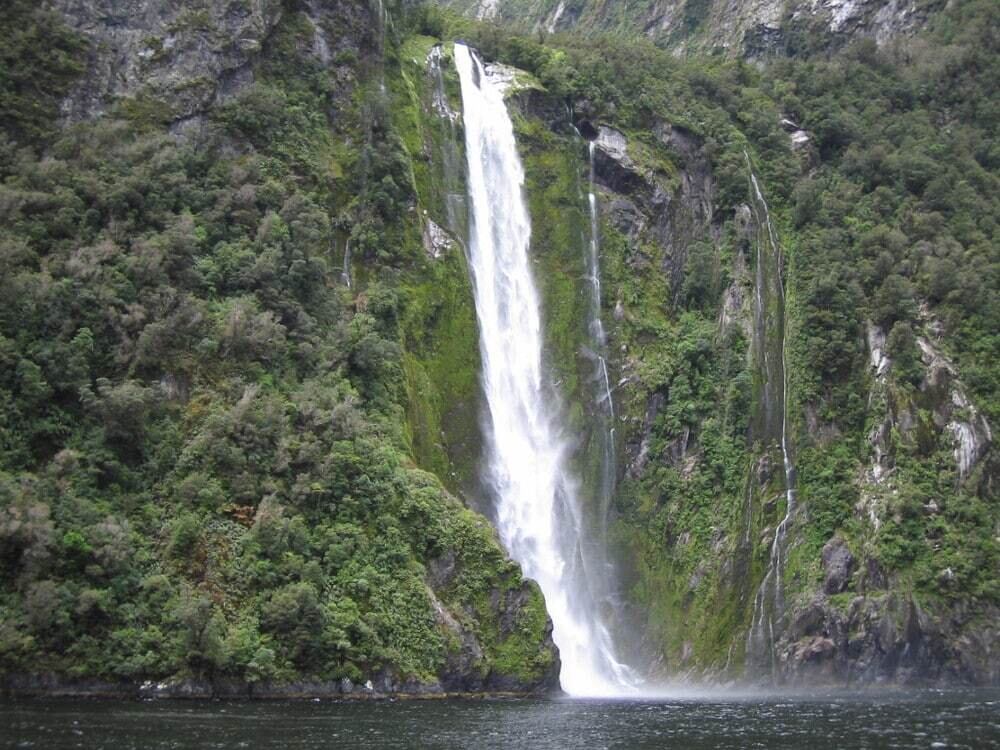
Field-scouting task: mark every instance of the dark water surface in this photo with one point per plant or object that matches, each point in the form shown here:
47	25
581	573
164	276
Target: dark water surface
814	721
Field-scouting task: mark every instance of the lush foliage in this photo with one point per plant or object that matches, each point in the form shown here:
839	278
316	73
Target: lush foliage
887	217
209	442
204	453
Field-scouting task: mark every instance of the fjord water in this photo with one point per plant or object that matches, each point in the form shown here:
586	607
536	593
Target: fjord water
820	721
537	499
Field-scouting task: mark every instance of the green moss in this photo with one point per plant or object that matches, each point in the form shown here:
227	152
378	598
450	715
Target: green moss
438	326
145	111
442	366
518	654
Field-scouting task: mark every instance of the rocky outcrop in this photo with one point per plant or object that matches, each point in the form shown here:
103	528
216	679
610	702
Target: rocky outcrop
754	29
182	56
952	409
171	62
648	205
464	669
437	241
887	636
838	564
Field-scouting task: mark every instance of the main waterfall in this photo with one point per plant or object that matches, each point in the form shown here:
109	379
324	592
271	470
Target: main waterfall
539	517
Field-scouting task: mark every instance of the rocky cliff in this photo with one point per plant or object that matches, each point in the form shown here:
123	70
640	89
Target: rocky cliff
748	28
728	574
239	401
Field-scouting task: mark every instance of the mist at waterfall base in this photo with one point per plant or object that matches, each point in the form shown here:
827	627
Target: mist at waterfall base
538	510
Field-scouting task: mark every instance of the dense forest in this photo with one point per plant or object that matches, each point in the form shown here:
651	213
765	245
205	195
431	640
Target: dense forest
239	415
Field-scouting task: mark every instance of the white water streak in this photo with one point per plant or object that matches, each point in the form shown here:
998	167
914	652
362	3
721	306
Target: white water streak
538	514
594	276
345	274
772	579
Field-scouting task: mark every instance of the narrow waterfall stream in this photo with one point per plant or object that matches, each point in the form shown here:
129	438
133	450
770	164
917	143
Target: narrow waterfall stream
595	325
539	517
769	601
603	431
452	167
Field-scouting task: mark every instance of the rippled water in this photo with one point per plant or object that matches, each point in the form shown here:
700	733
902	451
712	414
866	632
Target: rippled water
819	721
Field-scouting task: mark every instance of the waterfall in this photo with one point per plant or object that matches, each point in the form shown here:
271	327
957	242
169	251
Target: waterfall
453	189
605	419
769	601
539	517
382	20
594	273
345	274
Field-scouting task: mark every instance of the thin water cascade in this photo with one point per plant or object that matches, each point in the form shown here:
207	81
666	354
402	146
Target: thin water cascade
605	427
539	517
594	272
345	274
383	23
769	601
455	211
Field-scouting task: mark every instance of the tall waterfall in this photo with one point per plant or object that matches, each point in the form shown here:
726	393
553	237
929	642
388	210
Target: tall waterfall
537	499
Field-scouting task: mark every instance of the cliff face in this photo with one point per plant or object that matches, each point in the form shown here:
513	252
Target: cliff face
239	396
182	56
174	62
746	28
726	574
856	622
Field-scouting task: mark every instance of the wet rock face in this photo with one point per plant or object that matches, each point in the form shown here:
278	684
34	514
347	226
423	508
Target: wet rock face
180	58
183	54
587	130
644	205
838	565
613	167
763	40
887	638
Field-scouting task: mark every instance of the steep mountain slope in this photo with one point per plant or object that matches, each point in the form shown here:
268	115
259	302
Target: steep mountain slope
239	402
211	391
761	235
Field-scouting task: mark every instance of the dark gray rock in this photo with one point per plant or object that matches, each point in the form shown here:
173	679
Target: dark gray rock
888	638
182	54
181	58
466	668
838	564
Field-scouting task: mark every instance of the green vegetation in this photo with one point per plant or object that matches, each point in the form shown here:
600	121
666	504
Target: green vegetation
206	463
217	460
887	215
39	60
